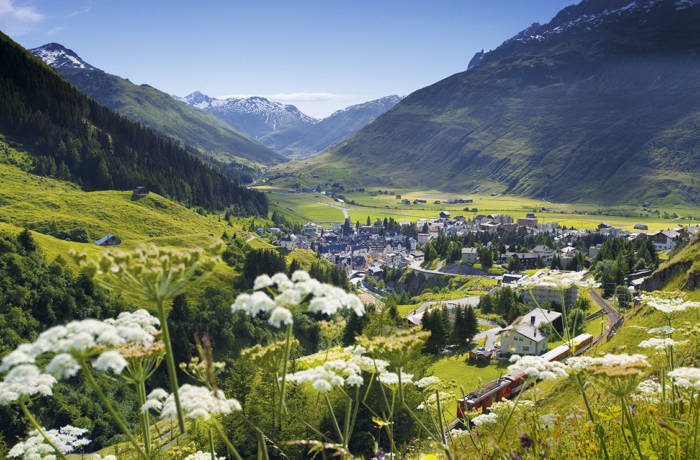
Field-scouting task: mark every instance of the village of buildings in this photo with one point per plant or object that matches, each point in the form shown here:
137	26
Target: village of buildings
366	251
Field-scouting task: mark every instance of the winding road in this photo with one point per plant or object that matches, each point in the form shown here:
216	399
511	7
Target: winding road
346	215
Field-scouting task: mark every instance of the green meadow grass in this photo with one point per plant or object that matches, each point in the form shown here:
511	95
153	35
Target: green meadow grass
319	208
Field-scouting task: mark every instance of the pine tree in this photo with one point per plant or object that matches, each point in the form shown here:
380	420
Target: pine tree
471	323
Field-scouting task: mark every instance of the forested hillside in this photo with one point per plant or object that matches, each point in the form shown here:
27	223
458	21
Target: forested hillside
73	137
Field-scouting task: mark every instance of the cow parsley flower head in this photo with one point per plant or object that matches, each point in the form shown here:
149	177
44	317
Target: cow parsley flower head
23	354
392	378
610	364
484	420
199	402
262	281
662	330
199	455
429	381
63	366
25	380
669	305
155	400
110	361
280	316
288	294
66	439
537	367
686	377
659	343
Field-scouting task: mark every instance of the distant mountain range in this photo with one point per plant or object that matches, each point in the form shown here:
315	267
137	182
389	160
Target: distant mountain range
283	127
156	109
600	104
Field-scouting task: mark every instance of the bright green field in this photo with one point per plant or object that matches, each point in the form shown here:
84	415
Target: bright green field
466	377
323	210
27	200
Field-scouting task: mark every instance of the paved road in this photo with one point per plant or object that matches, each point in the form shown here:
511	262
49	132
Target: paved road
416	267
614	316
340	208
416	316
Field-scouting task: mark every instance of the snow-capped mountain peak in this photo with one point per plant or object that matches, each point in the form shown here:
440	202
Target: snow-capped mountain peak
255	115
60	57
588	15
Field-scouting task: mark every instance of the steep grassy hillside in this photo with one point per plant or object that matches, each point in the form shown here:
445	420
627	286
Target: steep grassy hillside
682	272
158	110
602	104
71	136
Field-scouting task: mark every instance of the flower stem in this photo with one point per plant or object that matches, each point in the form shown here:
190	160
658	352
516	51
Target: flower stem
226	440
145	423
285	364
628	416
170	360
39	429
110	408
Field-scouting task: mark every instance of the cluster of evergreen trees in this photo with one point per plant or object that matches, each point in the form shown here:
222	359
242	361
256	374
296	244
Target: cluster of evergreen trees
505	302
618	257
72	137
446	330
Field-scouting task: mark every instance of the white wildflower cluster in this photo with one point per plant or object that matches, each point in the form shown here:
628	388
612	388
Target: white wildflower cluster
432	399
548	420
660	343
197	402
202	456
66	439
669	305
289	293
138	328
648	391
428	382
503	407
457	433
484	420
686	377
340	372
25	381
609	364
667	330
154	400
392	378
537	367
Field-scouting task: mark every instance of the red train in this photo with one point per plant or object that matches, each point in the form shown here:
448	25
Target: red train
512	383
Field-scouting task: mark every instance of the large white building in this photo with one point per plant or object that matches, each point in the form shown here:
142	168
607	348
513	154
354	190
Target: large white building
524	336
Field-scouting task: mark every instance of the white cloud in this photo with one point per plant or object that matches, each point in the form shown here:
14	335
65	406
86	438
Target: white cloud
55	30
16	19
294	97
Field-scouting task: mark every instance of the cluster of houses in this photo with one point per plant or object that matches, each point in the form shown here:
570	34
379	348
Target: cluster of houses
371	246
356	248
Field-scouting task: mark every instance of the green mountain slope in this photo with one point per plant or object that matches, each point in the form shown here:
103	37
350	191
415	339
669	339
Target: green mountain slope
601	104
73	137
156	109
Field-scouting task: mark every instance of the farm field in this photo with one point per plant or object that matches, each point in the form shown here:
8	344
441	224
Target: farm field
324	210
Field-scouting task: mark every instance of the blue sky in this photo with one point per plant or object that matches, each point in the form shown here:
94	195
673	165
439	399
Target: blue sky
318	55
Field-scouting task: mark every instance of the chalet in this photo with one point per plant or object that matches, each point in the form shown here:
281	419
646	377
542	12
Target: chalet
470	255
138	193
527	222
288	242
445	214
665	240
108	240
524	336
641	227
405	201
